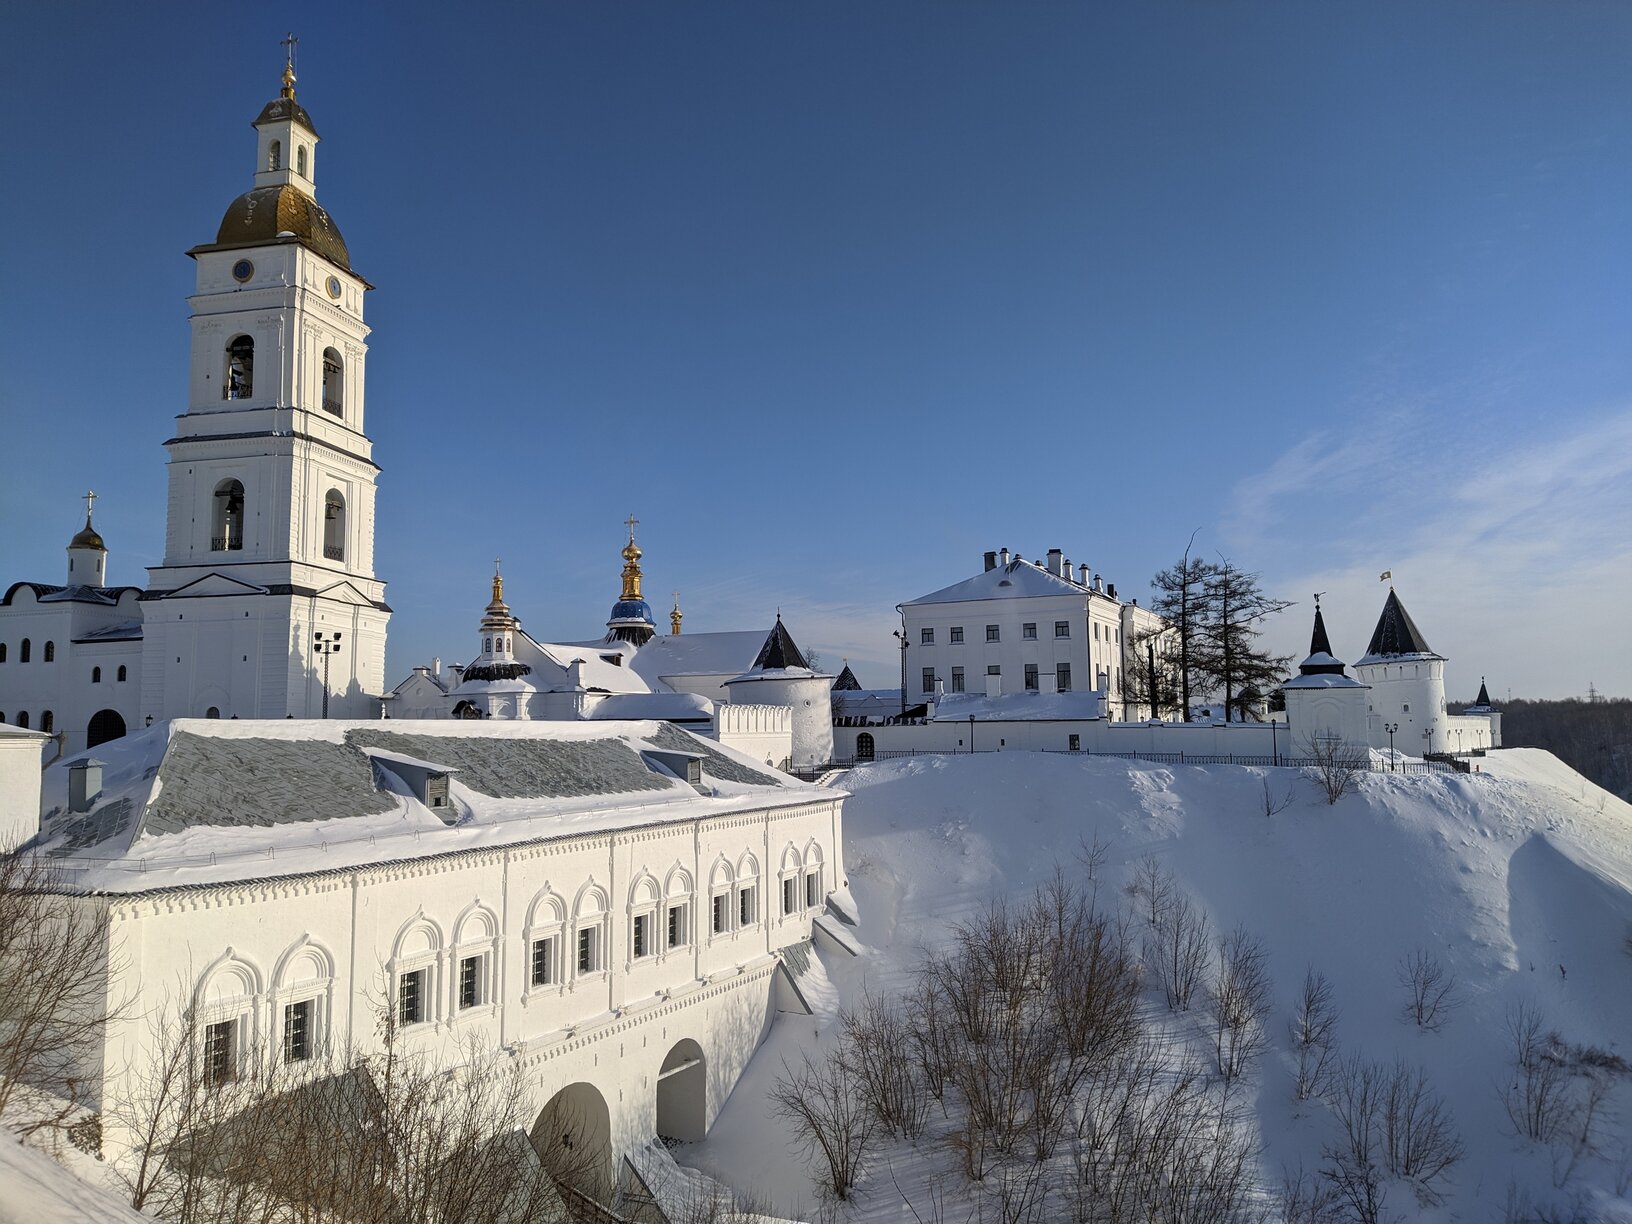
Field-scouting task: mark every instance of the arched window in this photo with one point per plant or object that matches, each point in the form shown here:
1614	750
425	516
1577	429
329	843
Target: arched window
213	712
24	650
274	156
50	652
416	965
48	721
487	645
475	959
22	719
2	652
545	926
300	160
2	716
228	535
121	673
865	746
96	675
333	392
334	526
105	725
240	379
589	932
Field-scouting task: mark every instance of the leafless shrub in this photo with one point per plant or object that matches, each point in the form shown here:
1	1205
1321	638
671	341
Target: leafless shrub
1178	949
1274	804
1431	994
1239	1002
1335	766
1358	1188
1537	1100
1391	1122
54	1006
879	1042
825	1106
1313	1031
375	1138
1306	1199
1151	889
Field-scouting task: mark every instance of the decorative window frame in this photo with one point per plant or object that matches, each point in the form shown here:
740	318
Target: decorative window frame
748	881
476	934
432	959
722	882
288	989
678	893
591	911
790	885
239	1003
546	919
814	870
644	902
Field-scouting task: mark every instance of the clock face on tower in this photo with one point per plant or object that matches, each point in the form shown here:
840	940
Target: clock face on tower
334	287
242	271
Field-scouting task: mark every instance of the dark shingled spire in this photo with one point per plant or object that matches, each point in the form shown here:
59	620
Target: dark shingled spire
1484	695
847	681
1319	643
1321	660
779	651
1396	633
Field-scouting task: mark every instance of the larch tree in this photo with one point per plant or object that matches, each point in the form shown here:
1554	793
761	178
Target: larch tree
1234	609
1180	598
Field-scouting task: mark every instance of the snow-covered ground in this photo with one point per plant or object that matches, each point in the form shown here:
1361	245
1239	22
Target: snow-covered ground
1519	878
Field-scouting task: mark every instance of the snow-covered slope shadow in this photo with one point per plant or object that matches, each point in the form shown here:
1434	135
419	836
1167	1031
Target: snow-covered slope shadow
1570	923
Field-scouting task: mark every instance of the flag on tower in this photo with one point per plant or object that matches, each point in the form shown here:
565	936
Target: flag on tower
1385	575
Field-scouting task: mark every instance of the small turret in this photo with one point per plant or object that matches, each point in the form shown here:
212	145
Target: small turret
497	660
631	619
676	616
87	554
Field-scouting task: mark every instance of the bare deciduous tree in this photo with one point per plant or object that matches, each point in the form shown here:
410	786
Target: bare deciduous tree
1431	994
55	977
1239	1000
1335	766
822	1101
1313	1032
1274	804
1178	950
1391	1122
878	1040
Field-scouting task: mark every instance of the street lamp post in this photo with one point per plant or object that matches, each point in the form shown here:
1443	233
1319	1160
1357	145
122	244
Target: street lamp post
901	639
1391	728
326	648
1274	751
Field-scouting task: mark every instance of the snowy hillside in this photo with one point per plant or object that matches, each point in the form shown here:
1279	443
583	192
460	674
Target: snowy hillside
1518	879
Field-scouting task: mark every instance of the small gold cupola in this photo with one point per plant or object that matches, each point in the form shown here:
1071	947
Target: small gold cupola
676	616
87	554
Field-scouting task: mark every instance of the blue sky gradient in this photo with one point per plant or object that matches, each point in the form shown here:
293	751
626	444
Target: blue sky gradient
834	297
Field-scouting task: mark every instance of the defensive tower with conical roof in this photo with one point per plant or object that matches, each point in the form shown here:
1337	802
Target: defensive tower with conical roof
270	530
1322	700
781	676
1407	680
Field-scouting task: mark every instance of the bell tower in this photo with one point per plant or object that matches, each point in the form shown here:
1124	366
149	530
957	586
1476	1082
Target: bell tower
270	525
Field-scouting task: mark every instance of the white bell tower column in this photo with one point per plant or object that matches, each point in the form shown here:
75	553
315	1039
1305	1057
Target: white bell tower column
270	525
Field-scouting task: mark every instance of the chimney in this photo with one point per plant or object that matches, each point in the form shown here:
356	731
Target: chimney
1099	584
84	784
1056	558
575	674
422	671
1084	579
991	560
1065	570
436	666
1111	590
1003	557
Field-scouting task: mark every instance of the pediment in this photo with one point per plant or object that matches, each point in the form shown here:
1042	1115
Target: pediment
212	585
344	592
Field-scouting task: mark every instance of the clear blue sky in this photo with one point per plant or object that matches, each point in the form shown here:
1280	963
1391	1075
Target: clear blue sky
836	296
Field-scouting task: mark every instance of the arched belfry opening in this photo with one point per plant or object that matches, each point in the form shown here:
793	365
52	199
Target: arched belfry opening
105	725
274	155
573	1139
239	382
227	535
334	400
334	526
682	1093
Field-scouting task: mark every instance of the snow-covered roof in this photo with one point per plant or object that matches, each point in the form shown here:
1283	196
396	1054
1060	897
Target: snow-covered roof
671	707
206	801
1323	680
1396	634
598	671
124	631
1018	707
1019	579
46	592
698	654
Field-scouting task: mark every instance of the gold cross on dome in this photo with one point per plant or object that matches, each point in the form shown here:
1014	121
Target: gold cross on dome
90	496
289	40
631	522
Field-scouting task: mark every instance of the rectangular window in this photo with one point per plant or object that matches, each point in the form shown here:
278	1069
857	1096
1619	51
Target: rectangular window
1062	677
813	889
543	961
1062	629
411	997
790	895
1074	743
929	679
719	914
1028	632
926	637
587	951
297	1031
955	635
992	634
994	669
220	1059
1096	631
677	925
746	907
470	981
1031	677
957	679
643	935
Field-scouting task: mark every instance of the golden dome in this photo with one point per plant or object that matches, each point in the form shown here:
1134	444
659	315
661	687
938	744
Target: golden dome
87	538
262	214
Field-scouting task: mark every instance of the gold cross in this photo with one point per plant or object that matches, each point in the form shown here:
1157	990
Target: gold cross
630	523
90	497
289	40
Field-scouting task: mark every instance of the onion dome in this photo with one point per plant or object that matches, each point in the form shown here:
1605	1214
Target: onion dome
631	619
261	215
88	538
